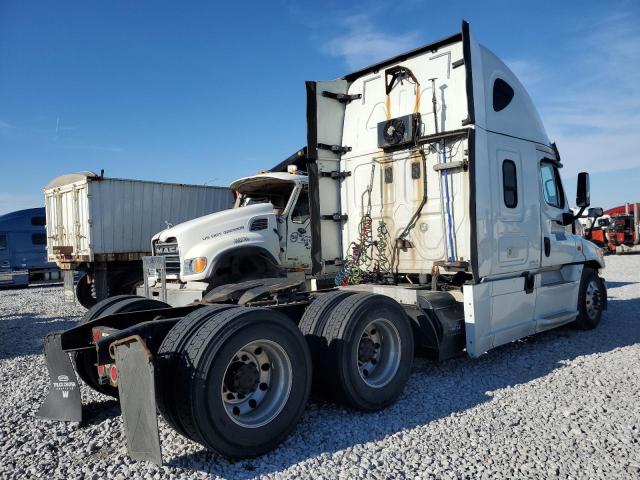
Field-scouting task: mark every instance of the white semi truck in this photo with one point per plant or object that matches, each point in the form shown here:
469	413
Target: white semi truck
266	235
432	179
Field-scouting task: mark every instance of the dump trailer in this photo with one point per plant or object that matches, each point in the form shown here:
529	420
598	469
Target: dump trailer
432	180
101	227
23	254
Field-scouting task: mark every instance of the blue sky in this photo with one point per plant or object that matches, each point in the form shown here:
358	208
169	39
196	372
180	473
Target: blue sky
205	92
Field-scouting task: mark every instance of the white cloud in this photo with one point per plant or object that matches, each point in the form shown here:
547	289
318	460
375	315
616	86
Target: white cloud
361	43
591	103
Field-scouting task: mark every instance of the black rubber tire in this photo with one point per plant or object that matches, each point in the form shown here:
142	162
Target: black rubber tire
340	373
85	360
312	326
127	282
83	293
584	321
209	351
170	361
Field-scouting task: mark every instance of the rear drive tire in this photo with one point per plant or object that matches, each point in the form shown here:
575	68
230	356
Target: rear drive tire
591	300
85	360
370	351
312	325
249	382
171	362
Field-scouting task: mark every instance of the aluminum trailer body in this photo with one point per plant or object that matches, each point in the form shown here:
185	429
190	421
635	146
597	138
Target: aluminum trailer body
103	226
23	254
433	185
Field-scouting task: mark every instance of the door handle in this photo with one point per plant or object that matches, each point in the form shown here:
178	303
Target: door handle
547	246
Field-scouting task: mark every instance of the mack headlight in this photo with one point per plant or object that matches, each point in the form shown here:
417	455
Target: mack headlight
194	265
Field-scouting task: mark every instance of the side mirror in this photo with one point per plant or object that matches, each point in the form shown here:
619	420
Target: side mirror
595	212
583	197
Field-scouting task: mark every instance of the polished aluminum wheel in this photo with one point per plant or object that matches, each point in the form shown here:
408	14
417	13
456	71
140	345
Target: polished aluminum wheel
379	353
593	299
256	383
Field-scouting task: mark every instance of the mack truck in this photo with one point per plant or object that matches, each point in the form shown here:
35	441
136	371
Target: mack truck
265	235
432	180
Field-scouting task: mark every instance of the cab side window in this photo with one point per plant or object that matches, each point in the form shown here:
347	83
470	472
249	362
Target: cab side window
300	213
551	185
3	241
509	184
38	239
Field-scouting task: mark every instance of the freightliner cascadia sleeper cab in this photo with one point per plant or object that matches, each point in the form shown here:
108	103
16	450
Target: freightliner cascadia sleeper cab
435	190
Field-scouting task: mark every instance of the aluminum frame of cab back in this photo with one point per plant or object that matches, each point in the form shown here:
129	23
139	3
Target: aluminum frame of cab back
512	234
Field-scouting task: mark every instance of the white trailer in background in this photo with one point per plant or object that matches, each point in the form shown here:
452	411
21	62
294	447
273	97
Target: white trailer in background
102	226
433	184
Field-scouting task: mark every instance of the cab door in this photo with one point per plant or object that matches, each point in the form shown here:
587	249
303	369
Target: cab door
298	239
558	245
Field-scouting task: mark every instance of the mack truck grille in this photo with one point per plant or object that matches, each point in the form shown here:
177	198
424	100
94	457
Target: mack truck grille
171	256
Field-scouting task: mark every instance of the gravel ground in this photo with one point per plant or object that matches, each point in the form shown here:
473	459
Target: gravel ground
563	404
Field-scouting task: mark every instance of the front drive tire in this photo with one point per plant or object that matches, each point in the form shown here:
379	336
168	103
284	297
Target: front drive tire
370	351
249	384
592	298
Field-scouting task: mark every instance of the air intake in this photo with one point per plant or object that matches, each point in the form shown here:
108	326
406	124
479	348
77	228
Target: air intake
259	224
398	132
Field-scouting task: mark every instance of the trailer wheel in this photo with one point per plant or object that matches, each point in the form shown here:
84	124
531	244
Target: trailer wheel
249	382
370	351
312	326
171	363
85	360
84	293
591	300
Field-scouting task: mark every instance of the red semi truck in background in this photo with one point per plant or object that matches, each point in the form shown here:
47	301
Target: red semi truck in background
622	232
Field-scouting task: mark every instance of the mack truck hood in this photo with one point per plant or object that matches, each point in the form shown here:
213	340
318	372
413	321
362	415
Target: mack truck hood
215	224
220	233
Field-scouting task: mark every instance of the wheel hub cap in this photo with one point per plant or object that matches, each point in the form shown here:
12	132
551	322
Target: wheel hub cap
256	384
367	350
593	299
379	353
242	378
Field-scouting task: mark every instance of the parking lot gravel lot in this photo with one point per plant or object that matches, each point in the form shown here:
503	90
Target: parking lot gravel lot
562	404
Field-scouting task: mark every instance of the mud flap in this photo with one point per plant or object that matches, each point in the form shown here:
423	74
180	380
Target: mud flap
136	386
63	401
